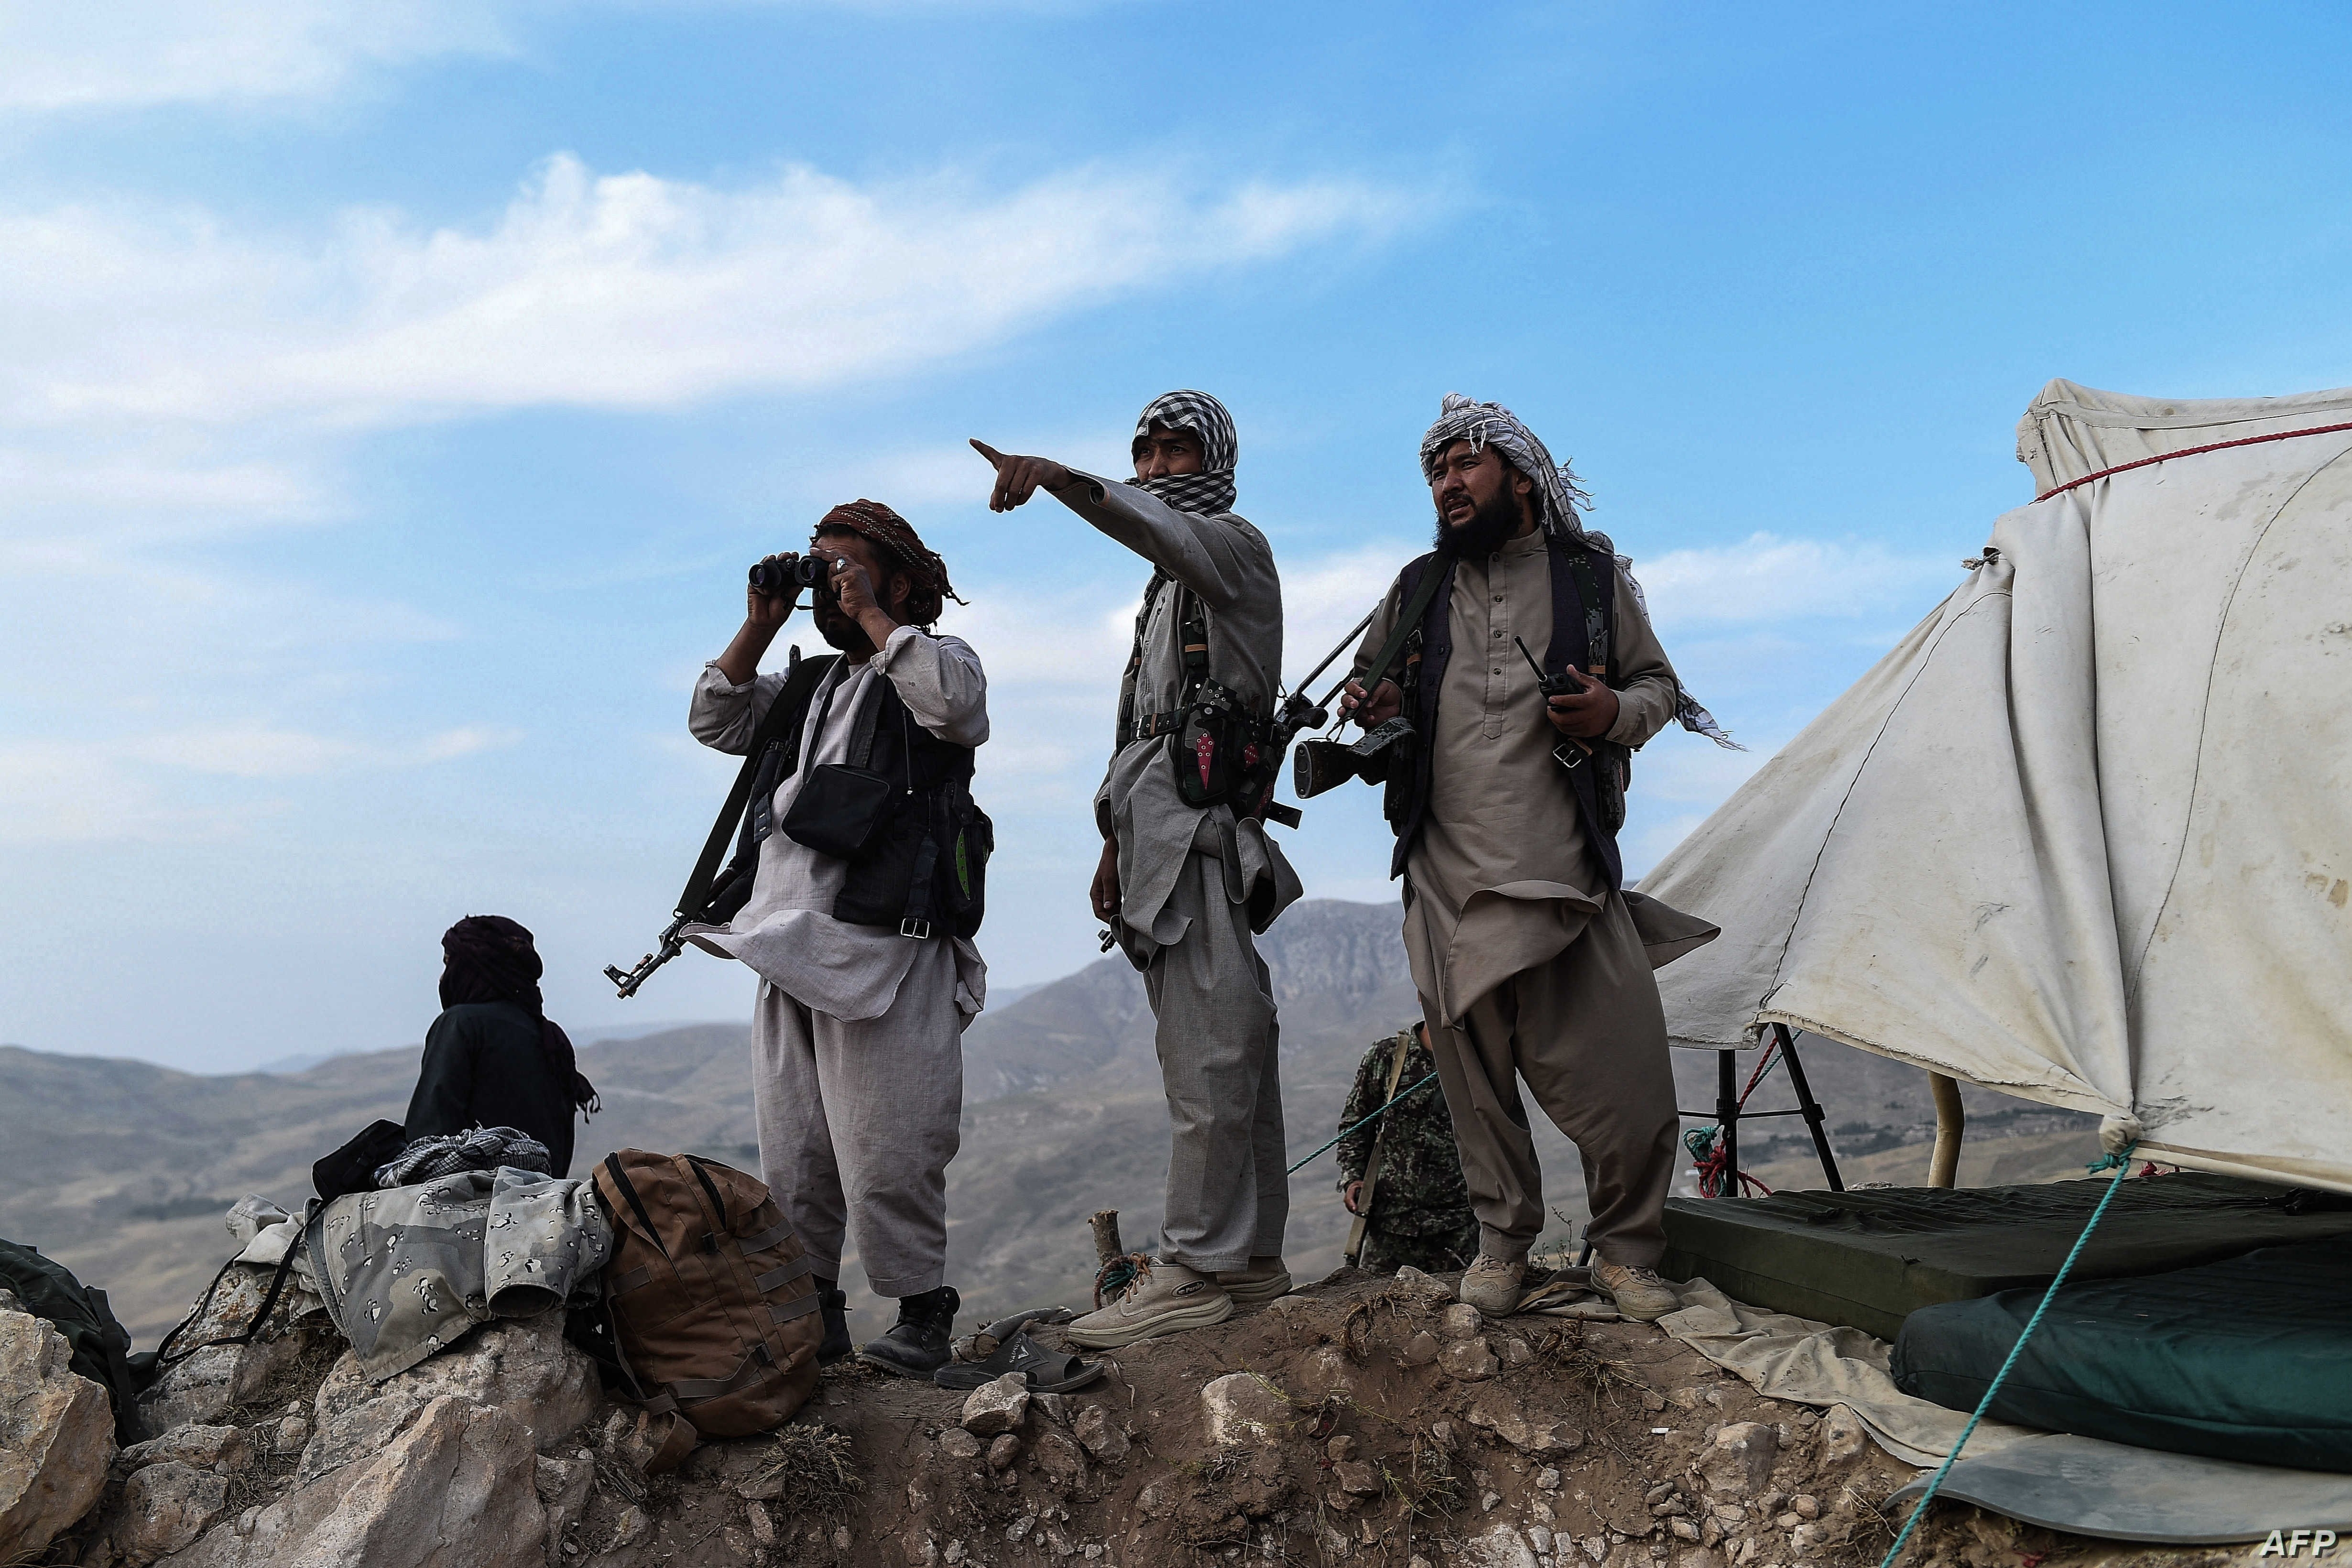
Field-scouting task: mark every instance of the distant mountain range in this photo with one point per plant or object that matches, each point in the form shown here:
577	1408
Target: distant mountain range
122	1170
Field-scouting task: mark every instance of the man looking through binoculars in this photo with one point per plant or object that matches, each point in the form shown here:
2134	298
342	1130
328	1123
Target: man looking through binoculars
859	919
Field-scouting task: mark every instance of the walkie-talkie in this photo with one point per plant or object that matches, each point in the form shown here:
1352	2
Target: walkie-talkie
1570	752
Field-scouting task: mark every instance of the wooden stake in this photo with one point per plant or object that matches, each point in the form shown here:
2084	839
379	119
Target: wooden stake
1105	1224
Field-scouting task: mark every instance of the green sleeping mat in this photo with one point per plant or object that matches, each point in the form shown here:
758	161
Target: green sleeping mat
2248	1358
1870	1258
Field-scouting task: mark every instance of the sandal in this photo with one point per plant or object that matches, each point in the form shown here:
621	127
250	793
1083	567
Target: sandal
1048	1372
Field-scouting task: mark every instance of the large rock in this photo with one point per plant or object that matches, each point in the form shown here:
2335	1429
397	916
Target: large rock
210	1382
162	1508
458	1488
1469	1361
997	1408
1242	1409
1739	1461
524	1366
56	1436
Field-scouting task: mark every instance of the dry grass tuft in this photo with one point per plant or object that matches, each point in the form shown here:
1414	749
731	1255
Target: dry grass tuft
813	1471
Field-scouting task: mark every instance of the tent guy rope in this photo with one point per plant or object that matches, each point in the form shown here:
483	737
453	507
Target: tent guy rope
2121	1163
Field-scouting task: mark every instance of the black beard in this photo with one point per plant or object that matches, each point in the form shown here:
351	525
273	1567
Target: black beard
1488	528
843	633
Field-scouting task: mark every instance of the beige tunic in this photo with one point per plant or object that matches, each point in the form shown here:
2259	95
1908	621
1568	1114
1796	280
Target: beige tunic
1502	878
1226	562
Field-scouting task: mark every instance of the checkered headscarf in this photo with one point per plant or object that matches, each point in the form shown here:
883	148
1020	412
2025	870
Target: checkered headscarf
1460	418
1210	490
1492	425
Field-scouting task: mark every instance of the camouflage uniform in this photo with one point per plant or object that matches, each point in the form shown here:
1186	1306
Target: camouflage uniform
1421	1210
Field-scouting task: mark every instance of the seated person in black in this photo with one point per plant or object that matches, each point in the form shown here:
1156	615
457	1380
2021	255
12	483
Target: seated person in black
493	1058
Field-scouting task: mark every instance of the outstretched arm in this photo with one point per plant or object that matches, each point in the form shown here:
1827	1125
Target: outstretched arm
1216	557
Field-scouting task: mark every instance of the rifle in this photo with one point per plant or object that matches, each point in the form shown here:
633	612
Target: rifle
1299	712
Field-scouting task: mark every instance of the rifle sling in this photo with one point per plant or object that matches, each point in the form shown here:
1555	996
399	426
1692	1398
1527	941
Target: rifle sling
802	674
1407	622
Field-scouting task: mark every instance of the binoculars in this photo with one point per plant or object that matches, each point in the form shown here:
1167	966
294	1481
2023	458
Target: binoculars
789	574
1324	765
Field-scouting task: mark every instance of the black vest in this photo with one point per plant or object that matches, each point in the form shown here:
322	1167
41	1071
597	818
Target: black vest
925	868
1429	652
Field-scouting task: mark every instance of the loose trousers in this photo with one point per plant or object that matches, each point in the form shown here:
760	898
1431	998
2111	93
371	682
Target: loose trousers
1228	1194
859	1121
1587	1033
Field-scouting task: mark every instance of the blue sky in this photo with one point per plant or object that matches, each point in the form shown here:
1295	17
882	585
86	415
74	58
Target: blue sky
391	397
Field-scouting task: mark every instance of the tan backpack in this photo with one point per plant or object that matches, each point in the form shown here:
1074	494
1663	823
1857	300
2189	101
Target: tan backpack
712	1308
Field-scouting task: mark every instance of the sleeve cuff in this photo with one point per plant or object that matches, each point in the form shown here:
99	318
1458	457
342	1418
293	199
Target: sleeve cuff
715	679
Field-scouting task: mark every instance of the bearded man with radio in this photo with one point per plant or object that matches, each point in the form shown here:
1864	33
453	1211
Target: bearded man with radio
856	894
1518	662
1187	874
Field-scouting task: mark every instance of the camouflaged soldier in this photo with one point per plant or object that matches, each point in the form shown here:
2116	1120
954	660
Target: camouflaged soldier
1421	1207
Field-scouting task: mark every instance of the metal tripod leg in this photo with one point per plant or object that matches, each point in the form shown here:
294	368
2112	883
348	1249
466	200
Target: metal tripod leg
1807	1107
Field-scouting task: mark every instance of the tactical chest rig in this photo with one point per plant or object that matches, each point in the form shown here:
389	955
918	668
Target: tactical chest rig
1224	754
900	812
1584	616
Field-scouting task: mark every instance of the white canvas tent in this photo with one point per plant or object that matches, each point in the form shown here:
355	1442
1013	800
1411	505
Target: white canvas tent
2086	834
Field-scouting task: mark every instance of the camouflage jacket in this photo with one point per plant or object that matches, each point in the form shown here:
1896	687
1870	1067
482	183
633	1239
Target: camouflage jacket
1420	1190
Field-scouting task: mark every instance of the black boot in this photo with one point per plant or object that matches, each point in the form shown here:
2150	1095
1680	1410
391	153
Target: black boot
917	1344
834	1303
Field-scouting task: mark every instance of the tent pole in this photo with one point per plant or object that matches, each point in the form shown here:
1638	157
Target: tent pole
1813	1113
1726	1115
1951	1119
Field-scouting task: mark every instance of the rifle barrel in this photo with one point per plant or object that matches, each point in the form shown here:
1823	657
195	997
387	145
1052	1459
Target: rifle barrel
1309	679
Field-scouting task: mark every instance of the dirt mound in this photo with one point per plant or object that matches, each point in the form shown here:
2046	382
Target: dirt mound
1363	1420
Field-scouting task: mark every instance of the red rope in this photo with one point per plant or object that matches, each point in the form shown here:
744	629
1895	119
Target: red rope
2190	452
1710	1159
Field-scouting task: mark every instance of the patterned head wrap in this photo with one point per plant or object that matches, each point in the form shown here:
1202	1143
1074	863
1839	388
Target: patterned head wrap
489	958
1483	425
1210	490
896	539
1487	424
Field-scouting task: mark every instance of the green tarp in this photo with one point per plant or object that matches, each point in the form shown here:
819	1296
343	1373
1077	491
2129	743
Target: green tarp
1869	1259
2248	1358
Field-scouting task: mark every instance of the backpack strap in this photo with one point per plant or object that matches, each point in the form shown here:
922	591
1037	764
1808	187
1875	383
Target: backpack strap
629	1191
269	1302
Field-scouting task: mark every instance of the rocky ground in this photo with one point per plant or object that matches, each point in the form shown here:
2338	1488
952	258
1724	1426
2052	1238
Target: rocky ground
1362	1420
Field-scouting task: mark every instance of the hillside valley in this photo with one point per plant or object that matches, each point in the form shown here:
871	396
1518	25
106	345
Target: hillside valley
122	1170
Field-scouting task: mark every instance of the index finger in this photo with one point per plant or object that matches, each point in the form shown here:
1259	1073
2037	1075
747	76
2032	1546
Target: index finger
986	450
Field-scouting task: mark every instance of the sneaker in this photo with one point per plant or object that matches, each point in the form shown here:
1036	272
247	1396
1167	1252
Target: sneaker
1492	1285
1639	1293
918	1343
1261	1282
1164	1298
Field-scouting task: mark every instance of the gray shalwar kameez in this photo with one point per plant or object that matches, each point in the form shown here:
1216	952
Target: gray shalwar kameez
857	1054
1527	964
1192	879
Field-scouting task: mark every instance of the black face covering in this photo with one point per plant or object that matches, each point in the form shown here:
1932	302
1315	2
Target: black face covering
489	958
1492	523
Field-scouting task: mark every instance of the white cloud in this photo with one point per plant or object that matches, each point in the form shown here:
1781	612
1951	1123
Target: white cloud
1766	578
625	290
132	53
63	790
